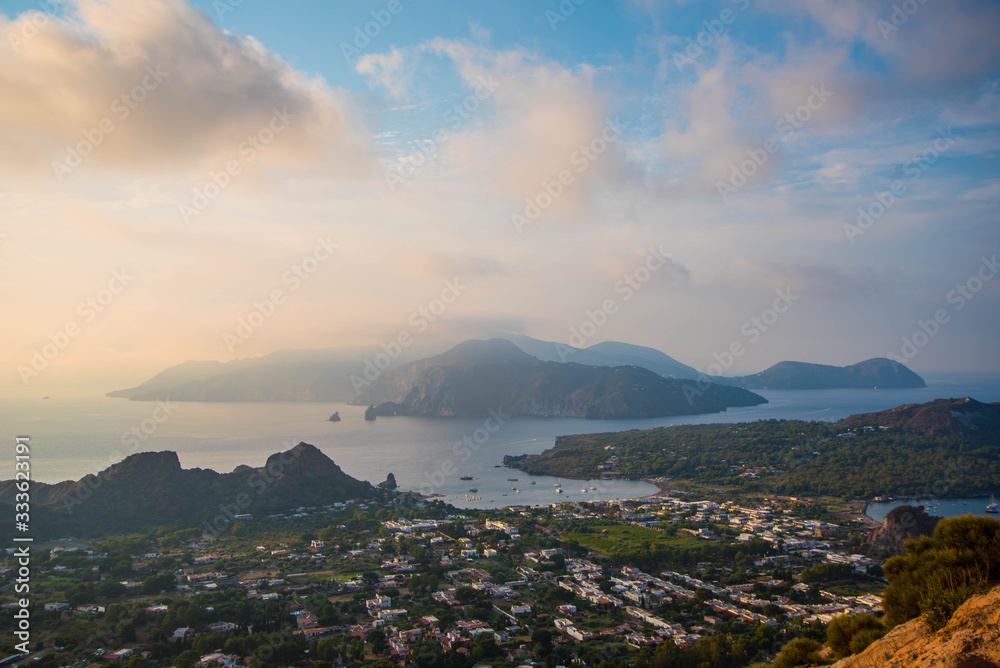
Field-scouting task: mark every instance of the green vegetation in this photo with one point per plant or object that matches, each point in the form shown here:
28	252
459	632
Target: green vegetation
851	634
783	457
939	573
611	538
799	652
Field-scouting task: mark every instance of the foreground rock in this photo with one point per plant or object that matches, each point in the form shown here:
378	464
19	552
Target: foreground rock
970	640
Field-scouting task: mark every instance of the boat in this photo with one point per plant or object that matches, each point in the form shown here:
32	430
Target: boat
473	489
513	489
583	489
992	507
532	482
511	479
465	477
560	490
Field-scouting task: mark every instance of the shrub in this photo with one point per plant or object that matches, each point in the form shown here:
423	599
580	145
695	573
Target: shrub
799	652
939	573
851	634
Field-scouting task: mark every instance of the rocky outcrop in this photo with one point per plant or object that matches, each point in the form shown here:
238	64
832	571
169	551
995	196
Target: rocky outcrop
387	409
971	639
370	414
150	489
900	524
390	482
335	417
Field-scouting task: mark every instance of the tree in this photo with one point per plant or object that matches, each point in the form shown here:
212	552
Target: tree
851	634
799	652
376	639
187	658
465	595
542	637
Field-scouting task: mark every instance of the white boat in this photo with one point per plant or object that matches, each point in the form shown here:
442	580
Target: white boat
992	507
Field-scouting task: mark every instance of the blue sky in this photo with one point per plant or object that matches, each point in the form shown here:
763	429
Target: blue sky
844	151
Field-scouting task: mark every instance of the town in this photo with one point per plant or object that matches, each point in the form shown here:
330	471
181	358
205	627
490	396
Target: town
407	580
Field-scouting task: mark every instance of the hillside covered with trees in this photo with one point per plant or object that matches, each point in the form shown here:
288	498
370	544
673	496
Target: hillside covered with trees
949	447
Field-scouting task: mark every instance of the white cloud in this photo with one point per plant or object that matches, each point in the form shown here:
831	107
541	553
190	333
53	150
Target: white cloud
212	91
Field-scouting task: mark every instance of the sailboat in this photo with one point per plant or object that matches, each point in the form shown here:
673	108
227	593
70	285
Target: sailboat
993	507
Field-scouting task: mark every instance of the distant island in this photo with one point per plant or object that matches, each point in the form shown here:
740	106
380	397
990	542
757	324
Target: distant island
367	374
943	447
876	373
477	377
150	489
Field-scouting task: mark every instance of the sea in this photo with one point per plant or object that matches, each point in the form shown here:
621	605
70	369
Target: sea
932	506
456	458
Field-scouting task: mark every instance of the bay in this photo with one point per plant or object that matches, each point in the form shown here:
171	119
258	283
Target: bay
72	437
932	506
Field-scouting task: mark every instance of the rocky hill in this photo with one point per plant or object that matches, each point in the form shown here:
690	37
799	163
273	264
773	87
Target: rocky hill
900	524
876	373
478	376
955	419
151	489
970	640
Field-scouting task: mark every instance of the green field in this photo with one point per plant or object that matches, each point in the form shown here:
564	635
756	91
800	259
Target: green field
608	539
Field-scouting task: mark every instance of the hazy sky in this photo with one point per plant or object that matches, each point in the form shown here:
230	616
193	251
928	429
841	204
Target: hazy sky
685	175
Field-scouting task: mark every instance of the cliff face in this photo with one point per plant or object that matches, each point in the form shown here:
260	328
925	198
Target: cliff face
970	640
901	524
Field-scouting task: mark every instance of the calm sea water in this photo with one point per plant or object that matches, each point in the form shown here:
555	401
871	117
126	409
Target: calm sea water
71	438
933	506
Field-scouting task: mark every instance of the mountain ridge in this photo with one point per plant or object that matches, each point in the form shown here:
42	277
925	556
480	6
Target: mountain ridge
342	374
477	376
149	489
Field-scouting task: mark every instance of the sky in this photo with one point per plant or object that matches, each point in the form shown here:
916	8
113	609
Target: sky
734	183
